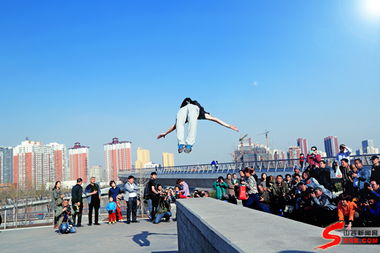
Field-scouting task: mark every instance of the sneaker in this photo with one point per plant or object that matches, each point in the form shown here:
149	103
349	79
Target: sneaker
181	148
135	221
97	224
188	149
109	222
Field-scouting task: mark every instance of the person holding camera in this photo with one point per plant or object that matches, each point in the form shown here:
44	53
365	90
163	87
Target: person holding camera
163	209
64	218
221	188
77	202
313	158
279	191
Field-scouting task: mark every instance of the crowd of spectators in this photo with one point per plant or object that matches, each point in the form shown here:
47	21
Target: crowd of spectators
309	195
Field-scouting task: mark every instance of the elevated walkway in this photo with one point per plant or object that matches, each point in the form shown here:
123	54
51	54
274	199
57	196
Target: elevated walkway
217	226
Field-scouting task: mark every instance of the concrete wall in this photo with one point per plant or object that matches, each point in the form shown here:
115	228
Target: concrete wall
210	225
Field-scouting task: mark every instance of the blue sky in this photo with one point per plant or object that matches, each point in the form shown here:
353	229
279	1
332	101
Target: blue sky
89	71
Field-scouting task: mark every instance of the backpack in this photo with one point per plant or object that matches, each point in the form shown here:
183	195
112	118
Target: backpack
146	191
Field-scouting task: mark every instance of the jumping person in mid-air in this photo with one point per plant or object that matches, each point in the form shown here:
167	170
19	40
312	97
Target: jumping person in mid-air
190	112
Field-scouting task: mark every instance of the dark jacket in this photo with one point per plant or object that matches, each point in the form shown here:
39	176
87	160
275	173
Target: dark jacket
113	192
278	190
375	173
324	178
163	205
266	196
93	198
76	194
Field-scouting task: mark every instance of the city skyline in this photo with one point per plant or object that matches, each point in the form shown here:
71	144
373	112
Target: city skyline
142	155
100	70
33	163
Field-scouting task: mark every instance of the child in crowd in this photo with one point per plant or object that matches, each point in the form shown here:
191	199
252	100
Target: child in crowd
119	216
111	208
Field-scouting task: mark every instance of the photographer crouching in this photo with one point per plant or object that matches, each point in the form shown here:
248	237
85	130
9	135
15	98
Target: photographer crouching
64	217
163	210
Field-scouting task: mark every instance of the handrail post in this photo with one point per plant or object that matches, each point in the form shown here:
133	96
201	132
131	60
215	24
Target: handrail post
14	216
5	219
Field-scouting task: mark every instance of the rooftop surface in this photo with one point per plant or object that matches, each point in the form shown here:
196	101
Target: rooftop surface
120	237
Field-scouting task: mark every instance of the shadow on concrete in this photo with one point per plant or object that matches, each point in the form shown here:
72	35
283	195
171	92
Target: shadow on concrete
294	251
142	239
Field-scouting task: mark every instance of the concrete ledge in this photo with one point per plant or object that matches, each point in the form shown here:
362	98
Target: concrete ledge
209	225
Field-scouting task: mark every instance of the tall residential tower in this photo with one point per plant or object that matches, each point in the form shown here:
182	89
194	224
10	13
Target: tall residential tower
331	146
6	165
79	162
117	157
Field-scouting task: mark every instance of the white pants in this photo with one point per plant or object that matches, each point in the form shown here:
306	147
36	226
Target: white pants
190	113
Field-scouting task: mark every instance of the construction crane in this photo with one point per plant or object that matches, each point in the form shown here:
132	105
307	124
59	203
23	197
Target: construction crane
241	140
266	133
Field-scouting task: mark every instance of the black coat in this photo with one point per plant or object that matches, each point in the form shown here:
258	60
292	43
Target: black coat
375	173
76	194
324	178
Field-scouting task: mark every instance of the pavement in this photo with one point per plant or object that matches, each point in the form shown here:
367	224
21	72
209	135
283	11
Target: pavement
119	237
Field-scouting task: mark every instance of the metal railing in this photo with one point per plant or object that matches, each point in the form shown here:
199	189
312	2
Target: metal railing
16	218
280	165
15	215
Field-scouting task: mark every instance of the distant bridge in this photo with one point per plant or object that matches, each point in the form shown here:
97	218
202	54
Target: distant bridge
203	175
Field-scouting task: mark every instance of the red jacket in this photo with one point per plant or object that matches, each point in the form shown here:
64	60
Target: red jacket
314	159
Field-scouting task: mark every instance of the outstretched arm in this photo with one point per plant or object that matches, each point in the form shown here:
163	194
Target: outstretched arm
171	129
220	122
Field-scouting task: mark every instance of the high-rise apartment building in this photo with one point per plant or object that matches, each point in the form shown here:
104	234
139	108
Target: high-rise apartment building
331	146
143	158
302	144
117	157
97	172
294	152
6	165
60	161
79	162
167	159
35	164
368	147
